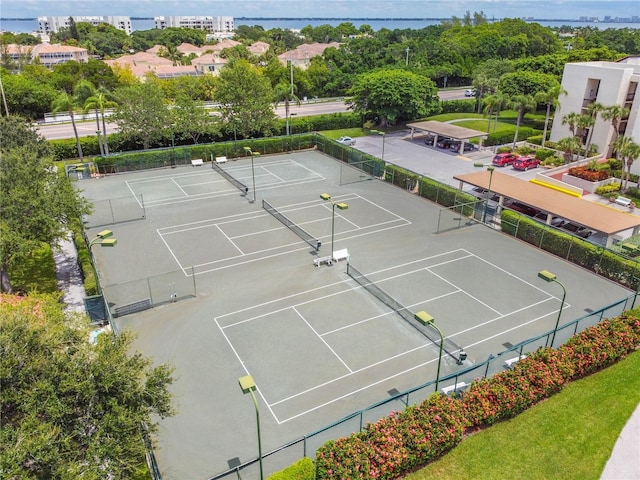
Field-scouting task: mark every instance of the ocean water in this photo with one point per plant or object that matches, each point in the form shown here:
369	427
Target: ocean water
31	25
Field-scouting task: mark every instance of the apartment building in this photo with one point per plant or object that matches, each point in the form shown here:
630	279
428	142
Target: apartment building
608	83
49	25
47	54
207	23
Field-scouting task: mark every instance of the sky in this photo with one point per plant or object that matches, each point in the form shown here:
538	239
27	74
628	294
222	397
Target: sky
539	9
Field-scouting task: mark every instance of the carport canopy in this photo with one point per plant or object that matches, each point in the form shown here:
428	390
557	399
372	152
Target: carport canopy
446	130
592	215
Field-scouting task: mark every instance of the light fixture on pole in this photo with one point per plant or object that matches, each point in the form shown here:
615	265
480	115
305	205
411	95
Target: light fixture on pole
426	319
342	206
383	135
249	386
104	239
490	169
253	172
550	277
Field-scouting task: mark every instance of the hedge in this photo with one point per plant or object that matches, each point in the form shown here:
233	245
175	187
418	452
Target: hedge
420	434
500	138
303	469
574	249
458	106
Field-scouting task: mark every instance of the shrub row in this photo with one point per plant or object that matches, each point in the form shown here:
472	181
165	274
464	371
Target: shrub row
420	434
589	175
500	138
609	188
458	106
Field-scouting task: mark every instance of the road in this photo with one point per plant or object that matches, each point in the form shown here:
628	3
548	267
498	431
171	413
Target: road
305	109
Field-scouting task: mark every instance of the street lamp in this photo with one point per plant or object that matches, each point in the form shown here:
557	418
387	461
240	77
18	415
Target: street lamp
248	386
384	135
550	277
341	206
103	239
253	172
426	319
490	169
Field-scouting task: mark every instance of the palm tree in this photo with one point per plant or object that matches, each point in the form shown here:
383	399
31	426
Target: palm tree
521	103
585	122
615	113
550	99
593	110
66	103
492	104
571	119
100	101
628	151
569	145
284	92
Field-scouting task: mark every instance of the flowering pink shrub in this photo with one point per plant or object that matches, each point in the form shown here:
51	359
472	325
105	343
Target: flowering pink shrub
420	434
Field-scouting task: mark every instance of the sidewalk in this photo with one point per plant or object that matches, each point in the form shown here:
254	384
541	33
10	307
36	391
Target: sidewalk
69	276
624	463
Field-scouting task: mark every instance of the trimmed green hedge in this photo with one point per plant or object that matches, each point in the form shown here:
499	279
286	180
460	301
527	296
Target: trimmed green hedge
458	106
303	469
500	138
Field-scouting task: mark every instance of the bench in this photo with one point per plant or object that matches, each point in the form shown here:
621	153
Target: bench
196	162
341	255
221	159
454	388
624	201
319	261
510	361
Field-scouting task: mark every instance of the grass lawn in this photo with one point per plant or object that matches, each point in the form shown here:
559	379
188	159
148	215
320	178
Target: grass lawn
37	273
568	436
345	132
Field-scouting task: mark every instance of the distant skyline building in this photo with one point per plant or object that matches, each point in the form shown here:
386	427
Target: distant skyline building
207	23
48	25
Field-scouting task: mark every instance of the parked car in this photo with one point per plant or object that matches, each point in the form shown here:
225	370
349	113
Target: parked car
470	92
467	146
346	141
503	159
445	143
525	163
555	221
578	230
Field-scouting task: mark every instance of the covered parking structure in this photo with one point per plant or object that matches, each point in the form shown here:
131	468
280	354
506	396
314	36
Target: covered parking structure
608	221
441	129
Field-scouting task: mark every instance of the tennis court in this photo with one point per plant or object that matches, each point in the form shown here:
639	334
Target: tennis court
318	344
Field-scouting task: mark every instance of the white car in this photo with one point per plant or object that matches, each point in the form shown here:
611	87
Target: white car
346	141
470	92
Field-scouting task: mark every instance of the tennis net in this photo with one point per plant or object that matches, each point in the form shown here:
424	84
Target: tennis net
303	234
427	330
241	186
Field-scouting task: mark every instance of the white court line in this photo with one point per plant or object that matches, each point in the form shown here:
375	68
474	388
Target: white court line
273	174
171	252
133	193
464	291
230	241
322	339
181	189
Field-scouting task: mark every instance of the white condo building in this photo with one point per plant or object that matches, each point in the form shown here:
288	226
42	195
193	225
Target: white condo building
49	25
609	83
209	24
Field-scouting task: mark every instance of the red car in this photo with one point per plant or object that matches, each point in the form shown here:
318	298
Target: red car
525	163
503	159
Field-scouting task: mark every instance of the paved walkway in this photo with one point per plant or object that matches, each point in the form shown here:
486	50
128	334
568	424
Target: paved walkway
624	463
69	276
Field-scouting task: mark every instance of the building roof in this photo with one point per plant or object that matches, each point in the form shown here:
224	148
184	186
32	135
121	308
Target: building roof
307	51
258	48
592	215
447	129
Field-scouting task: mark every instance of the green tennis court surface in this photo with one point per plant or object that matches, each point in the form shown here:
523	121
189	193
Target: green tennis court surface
317	343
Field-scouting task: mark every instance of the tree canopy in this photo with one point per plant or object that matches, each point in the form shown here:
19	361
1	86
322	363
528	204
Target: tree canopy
394	95
37	203
71	409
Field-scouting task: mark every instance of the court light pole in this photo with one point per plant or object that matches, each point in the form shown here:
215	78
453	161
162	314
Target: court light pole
248	385
104	239
341	205
426	319
490	169
253	172
383	135
550	277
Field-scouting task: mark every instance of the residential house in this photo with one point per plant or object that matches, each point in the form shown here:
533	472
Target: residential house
301	56
46	54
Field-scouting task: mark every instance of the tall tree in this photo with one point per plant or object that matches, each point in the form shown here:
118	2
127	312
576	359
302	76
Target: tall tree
492	105
520	103
71	409
571	119
141	114
245	95
593	109
550	99
285	92
67	103
628	151
100	101
191	120
37	203
394	95
613	114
